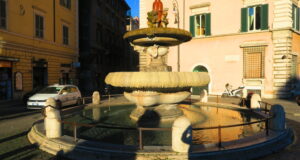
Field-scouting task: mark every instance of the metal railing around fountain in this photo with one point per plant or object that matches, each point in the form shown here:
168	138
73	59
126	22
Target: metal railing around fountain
86	100
265	106
140	130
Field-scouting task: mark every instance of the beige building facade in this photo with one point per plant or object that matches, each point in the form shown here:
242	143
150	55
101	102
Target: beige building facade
251	43
38	45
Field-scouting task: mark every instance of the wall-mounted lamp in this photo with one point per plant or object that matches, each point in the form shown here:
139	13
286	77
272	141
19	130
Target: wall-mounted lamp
284	57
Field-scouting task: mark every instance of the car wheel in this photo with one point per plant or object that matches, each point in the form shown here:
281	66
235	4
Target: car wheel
298	100
79	101
225	95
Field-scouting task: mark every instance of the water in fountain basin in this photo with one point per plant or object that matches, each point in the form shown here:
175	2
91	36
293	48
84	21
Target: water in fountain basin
118	116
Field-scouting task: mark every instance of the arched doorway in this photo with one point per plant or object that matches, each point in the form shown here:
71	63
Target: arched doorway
197	90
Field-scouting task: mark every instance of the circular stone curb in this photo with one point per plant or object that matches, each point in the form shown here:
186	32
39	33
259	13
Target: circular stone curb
83	149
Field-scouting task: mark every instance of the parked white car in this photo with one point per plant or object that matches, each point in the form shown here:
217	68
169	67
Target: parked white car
63	94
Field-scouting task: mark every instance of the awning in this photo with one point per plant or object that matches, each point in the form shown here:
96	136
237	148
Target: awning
9	59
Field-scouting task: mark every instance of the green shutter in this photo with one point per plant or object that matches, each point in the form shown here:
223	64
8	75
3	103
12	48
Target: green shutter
293	15
297	20
192	25
207	24
264	17
244	19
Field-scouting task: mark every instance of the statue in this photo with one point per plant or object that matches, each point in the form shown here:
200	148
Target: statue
158	7
164	20
152	19
158	16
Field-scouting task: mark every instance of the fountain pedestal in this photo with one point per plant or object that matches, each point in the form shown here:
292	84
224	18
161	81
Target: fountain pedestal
157	91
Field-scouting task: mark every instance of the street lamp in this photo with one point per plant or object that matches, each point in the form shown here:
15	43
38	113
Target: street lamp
176	13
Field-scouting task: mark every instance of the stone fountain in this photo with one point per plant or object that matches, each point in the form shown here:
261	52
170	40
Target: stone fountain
157	89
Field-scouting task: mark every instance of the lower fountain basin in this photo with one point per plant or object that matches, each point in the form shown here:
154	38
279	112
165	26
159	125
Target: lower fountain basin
104	142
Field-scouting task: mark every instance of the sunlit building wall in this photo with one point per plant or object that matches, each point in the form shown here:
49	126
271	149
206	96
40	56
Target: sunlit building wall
38	45
254	43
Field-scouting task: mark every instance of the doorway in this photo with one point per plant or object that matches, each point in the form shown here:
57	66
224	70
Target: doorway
197	90
40	74
5	80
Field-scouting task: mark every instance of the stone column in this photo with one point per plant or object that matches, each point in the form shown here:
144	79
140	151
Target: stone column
96	110
96	98
277	123
245	93
203	96
181	135
52	119
254	103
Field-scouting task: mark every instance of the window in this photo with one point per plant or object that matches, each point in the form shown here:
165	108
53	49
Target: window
66	3
39	26
254	18
295	16
200	25
65	35
2	13
254	62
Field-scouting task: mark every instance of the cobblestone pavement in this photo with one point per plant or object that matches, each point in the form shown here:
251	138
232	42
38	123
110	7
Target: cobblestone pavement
14	144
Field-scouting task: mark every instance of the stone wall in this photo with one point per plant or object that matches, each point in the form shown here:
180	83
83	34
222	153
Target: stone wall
282	39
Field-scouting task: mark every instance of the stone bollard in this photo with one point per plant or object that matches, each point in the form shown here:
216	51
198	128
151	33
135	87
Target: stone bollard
96	98
245	94
203	96
181	135
277	123
52	119
254	103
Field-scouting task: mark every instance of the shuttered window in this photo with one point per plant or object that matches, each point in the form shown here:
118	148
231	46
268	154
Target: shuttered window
295	17
254	62
39	26
66	3
254	18
65	35
200	25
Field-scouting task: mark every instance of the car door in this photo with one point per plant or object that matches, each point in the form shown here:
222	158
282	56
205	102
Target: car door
73	95
69	96
63	97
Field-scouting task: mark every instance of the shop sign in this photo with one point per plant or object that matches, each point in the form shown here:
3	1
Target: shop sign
19	81
5	64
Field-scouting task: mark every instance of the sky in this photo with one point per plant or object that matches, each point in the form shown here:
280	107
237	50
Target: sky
134	5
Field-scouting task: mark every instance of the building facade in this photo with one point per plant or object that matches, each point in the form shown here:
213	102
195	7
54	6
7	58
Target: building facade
102	48
38	45
254	43
133	23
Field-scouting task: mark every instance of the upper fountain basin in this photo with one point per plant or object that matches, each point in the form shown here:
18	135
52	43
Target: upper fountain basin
159	36
157	79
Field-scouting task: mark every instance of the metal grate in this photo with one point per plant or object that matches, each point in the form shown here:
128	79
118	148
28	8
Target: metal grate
254	62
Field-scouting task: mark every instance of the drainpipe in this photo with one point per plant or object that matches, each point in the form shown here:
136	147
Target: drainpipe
54	23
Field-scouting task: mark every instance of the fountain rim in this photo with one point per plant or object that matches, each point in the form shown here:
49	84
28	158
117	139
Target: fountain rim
154	80
165	36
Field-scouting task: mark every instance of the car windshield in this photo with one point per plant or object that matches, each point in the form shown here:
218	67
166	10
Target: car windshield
50	90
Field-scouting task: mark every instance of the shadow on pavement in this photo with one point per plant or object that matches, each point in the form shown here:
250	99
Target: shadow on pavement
292	152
